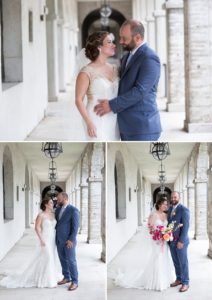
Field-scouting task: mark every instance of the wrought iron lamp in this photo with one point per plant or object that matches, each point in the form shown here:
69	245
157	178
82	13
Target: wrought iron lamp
52	149
105	12
159	150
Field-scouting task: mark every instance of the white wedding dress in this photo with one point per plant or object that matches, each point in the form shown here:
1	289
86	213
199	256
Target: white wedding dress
101	87
154	271
44	270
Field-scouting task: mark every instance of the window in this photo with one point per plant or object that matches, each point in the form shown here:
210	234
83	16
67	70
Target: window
120	187
8	195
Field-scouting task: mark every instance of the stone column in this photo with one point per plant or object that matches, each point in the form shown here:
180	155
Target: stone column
191	205
210	201
161	40
77	195
103	217
201	193
175	48
184	194
52	50
95	194
198	66
84	196
150	20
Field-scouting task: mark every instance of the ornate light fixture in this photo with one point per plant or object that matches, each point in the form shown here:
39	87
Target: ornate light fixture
159	150
52	171
52	150
105	12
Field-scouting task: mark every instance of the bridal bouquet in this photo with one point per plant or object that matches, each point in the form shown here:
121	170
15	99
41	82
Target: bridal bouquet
162	233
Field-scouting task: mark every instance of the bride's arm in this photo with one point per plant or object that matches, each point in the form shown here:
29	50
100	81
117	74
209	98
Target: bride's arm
82	85
38	229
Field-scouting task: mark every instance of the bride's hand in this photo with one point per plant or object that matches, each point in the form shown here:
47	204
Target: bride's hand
91	130
42	243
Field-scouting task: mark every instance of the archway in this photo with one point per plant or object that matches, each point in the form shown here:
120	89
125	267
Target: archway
157	194
92	23
139	207
27	201
47	192
8	185
120	186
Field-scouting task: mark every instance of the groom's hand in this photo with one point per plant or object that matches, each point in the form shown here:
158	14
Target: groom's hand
69	244
180	245
102	108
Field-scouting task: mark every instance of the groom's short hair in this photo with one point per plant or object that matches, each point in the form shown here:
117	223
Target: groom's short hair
136	27
64	194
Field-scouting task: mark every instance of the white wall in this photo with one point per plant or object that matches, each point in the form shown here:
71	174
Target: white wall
23	105
14	229
119	232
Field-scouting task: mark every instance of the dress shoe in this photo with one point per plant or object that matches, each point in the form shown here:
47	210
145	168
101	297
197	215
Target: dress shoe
73	286
176	283
184	288
63	281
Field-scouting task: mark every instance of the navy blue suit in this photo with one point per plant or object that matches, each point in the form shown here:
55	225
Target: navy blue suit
135	105
67	229
181	216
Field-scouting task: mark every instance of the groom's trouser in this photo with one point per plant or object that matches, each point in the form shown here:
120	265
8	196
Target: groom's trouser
140	137
68	262
180	259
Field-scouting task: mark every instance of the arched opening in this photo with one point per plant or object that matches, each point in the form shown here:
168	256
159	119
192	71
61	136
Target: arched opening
27	201
47	192
11	42
158	194
120	187
8	188
139	206
92	23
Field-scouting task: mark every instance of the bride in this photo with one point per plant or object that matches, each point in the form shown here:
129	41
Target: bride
98	80
43	270
156	272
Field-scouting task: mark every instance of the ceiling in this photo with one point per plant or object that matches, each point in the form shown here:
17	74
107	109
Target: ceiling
40	163
173	163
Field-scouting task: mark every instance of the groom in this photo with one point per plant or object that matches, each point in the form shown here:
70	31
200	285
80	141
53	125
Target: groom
135	105
180	215
67	217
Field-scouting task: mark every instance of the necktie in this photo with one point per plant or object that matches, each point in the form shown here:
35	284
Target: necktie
128	59
61	212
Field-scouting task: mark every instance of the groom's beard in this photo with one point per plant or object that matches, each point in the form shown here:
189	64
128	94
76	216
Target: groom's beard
130	46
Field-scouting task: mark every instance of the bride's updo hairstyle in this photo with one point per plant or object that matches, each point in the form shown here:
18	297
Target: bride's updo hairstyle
93	42
44	202
159	202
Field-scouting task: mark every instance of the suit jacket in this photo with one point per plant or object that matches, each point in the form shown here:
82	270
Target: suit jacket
181	215
136	101
67	226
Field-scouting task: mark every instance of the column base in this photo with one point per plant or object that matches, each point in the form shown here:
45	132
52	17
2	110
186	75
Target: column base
53	99
94	241
103	257
201	237
198	127
175	107
210	253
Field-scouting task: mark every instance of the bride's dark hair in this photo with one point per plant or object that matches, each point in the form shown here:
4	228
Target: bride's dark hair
44	202
93	42
159	202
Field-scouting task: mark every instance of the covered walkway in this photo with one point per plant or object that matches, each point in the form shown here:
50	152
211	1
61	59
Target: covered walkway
200	274
63	122
92	272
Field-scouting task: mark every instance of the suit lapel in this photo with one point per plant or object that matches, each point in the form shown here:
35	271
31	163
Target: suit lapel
63	215
137	54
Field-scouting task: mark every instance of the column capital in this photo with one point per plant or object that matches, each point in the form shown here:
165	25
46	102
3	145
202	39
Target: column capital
170	4
83	185
190	186
95	179
200	180
159	13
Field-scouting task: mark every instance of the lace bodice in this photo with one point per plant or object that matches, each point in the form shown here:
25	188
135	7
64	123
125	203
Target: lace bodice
101	87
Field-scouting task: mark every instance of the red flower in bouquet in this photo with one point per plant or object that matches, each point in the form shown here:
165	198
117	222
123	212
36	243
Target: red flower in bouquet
162	233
